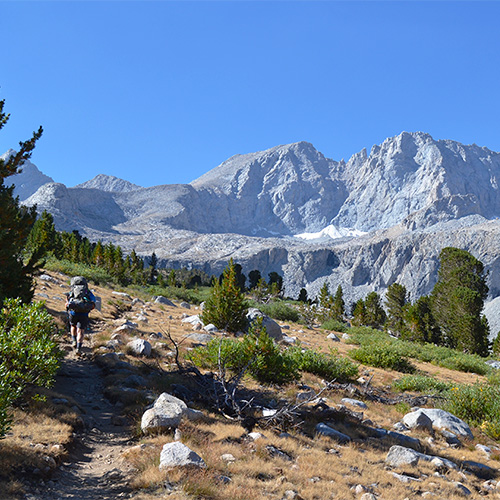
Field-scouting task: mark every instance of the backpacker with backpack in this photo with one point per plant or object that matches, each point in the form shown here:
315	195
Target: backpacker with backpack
79	299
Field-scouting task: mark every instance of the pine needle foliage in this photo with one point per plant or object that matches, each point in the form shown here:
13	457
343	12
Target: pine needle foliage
15	225
226	307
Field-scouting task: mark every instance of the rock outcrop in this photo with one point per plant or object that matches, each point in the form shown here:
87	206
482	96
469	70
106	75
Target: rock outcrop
405	201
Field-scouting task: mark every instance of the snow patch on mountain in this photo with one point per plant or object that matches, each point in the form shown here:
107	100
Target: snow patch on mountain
331	232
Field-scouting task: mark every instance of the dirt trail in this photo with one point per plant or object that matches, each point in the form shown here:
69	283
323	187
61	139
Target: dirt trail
94	469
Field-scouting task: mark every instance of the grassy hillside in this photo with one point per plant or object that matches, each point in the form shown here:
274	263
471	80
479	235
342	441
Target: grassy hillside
296	464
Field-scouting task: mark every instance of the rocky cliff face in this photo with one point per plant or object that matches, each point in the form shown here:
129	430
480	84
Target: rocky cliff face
109	183
28	180
409	198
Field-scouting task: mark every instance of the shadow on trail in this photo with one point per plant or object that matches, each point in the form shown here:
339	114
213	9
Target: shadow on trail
94	468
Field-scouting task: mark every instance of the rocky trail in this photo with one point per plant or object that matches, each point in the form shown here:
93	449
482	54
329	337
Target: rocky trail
93	469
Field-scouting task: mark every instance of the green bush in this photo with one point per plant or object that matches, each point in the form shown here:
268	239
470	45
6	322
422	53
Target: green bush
256	351
28	352
335	325
362	335
331	367
382	355
477	404
469	363
94	274
420	383
430	353
280	311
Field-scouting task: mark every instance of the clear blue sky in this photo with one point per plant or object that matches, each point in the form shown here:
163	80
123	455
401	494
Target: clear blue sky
160	92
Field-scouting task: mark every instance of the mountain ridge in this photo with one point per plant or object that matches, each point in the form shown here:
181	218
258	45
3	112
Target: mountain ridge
409	197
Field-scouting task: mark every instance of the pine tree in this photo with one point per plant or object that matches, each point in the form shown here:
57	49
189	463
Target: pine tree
226	307
302	295
338	305
253	278
359	313
153	273
375	314
15	225
419	324
395	301
98	254
275	283
457	301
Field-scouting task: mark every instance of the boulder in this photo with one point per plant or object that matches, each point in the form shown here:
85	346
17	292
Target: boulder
272	328
185	305
333	337
210	328
450	438
164	301
494	364
140	347
195	319
398	456
200	338
479	469
326	430
417	420
442	419
354	402
179	455
166	414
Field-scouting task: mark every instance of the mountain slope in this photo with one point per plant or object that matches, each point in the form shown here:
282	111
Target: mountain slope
28	180
108	183
412	196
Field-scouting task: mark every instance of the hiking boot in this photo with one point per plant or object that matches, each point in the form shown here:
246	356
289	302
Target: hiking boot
73	342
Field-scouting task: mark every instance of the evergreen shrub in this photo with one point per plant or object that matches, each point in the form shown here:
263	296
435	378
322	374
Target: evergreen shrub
256	352
29	354
420	383
334	325
382	355
331	367
280	311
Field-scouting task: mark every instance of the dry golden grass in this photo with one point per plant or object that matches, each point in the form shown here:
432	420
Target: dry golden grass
319	468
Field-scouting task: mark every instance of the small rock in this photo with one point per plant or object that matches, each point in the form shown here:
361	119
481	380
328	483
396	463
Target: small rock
400	427
306	396
185	305
417	420
140	347
462	489
354	402
177	454
368	496
211	328
256	435
359	488
333	337
164	301
227	457
330	432
480	447
398	455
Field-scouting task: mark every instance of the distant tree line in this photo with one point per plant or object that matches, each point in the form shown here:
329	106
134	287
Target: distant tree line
450	316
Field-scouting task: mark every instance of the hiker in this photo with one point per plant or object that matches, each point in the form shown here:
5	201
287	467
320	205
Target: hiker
80	301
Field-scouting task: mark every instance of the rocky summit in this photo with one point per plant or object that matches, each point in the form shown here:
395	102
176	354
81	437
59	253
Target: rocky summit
364	224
